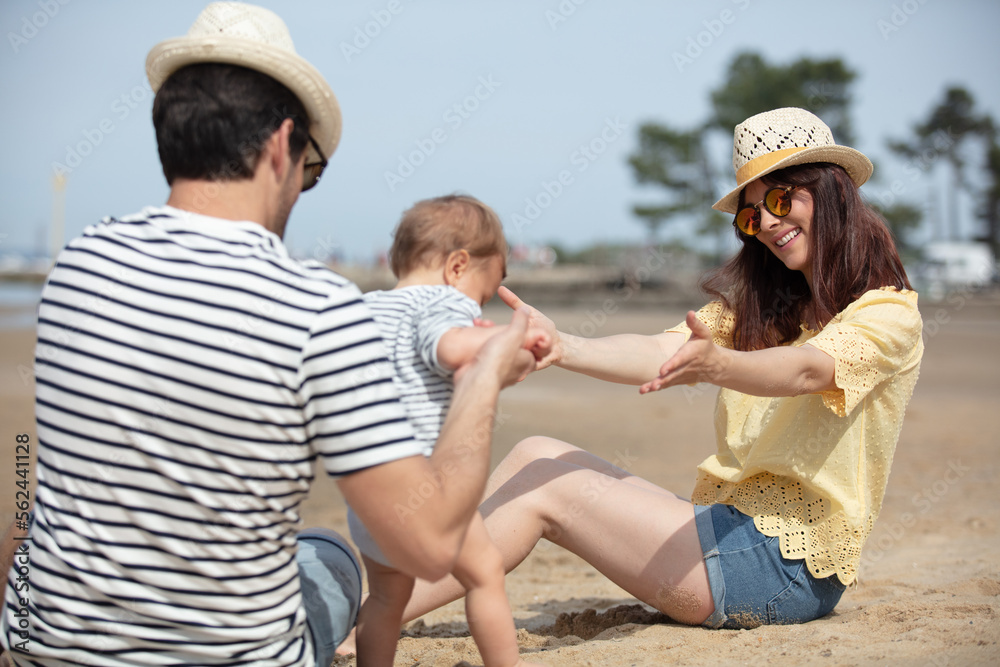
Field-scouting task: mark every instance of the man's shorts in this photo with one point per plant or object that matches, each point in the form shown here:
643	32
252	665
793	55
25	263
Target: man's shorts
330	577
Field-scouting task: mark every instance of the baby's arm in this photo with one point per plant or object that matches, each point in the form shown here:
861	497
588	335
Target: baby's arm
460	345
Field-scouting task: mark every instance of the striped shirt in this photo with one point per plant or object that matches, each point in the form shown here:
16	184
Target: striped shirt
412	320
188	375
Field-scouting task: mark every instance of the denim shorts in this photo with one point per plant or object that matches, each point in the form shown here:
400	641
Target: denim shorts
752	583
330	577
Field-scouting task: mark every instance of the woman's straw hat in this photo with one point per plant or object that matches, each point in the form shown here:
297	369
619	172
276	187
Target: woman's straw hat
239	34
781	138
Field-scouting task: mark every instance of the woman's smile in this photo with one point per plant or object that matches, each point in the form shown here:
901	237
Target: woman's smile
787	237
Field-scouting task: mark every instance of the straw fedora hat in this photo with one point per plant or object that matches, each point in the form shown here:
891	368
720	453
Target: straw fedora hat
256	38
781	138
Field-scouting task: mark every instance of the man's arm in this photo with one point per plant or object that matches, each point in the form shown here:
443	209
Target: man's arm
418	508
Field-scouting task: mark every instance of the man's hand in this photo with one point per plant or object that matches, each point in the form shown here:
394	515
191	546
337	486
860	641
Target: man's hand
538	342
536	320
698	360
503	357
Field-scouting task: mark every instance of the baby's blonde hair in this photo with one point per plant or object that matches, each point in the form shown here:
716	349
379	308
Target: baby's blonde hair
433	228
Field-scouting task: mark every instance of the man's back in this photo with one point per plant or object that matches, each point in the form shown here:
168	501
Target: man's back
189	372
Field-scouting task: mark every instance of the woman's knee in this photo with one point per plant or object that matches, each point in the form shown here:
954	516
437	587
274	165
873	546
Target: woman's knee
539	447
552	492
531	491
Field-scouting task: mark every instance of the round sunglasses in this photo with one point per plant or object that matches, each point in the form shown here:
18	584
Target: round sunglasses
778	202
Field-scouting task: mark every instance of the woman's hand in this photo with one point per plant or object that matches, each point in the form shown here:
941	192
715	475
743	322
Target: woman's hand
698	360
537	321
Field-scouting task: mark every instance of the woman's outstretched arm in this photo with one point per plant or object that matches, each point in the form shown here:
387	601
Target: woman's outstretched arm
625	358
776	371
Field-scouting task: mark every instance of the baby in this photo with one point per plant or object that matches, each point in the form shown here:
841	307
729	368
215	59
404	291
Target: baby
449	256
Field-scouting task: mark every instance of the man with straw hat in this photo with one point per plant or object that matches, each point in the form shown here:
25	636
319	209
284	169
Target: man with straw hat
189	376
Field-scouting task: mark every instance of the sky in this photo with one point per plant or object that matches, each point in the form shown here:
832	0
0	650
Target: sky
522	92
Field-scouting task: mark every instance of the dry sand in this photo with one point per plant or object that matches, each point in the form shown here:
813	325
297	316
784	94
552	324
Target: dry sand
929	590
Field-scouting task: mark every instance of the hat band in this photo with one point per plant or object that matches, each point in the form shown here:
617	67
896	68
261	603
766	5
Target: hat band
757	165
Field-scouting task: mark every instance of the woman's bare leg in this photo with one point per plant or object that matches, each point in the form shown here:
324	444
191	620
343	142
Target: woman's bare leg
643	539
542	447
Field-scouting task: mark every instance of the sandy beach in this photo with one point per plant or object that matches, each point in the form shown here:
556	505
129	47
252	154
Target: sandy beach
929	586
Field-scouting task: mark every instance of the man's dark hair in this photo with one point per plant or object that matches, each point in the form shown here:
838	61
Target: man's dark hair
212	121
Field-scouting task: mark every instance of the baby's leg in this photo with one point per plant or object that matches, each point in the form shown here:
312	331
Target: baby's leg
480	570
381	614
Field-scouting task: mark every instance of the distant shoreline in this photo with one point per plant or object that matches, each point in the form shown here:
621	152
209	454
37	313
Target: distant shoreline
576	286
21	277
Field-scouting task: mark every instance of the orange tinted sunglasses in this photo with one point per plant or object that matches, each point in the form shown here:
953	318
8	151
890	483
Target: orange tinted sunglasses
777	200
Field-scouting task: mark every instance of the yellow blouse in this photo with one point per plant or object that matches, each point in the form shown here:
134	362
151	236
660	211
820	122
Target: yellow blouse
812	469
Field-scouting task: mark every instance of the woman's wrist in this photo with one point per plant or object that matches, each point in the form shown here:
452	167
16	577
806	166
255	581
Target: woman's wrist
565	348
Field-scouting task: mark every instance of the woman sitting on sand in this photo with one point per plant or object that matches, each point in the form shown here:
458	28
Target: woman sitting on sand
815	341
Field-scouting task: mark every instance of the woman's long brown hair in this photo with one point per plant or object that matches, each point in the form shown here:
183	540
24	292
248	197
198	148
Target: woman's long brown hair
852	252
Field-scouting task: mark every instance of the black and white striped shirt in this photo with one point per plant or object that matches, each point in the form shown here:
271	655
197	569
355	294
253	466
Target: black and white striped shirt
412	320
188	375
